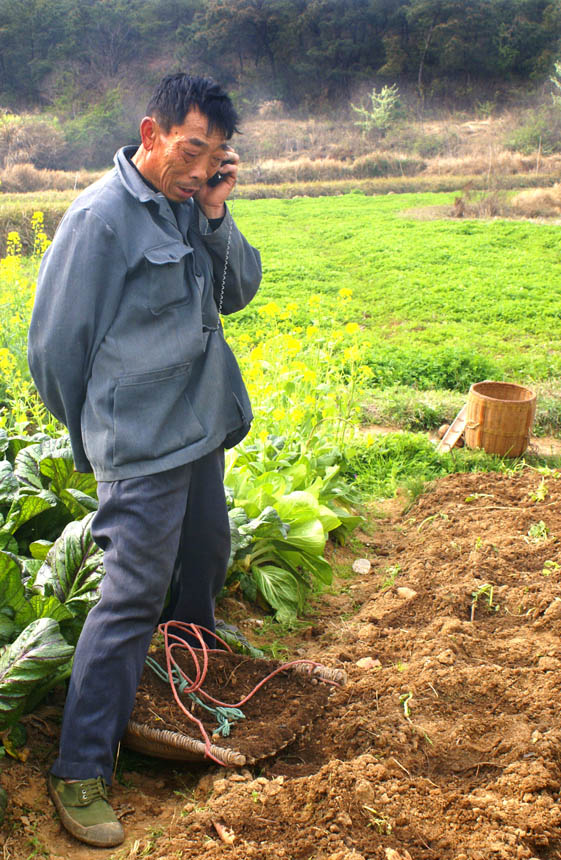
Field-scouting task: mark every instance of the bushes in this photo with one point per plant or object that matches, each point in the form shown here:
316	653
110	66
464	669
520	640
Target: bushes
27	138
541	131
452	368
384	164
88	140
411	409
95	135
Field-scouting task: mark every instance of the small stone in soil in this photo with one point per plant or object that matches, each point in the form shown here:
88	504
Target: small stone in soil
361	565
368	663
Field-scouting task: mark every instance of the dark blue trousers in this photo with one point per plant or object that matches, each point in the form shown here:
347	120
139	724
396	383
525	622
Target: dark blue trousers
168	528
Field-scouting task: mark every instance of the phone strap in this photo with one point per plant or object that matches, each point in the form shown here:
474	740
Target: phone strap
226	259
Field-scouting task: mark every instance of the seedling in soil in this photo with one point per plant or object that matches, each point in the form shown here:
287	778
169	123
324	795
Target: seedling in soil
537	532
540	493
550	566
440	514
38	848
404	700
391	575
483	591
478	543
378	820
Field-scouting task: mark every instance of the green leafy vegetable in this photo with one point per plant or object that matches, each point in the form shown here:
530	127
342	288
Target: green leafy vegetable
73	569
35	655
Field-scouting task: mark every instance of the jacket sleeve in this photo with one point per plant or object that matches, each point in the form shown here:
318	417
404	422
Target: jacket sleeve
78	293
243	275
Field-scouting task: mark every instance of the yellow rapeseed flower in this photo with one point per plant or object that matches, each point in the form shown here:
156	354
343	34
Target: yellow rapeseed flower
293	345
278	413
7	362
13	244
352	328
345	293
312	331
257	353
10	267
271	309
352	353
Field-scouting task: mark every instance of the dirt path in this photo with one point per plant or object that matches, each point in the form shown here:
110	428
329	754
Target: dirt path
447	746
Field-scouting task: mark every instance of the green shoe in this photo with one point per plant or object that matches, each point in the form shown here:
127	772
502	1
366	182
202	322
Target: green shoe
85	812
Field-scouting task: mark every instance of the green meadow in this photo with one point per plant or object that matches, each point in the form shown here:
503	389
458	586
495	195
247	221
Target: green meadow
441	303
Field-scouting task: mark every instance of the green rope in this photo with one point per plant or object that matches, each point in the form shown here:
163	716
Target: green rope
225	717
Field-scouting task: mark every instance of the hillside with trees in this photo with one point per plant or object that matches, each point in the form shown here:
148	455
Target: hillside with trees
87	66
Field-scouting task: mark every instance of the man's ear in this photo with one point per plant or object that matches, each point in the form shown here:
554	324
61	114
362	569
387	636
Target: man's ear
148	132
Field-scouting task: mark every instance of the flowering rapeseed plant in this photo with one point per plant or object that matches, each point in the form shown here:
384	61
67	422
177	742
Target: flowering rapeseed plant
305	381
21	408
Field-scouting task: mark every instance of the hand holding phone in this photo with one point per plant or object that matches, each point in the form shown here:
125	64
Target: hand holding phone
212	196
218	177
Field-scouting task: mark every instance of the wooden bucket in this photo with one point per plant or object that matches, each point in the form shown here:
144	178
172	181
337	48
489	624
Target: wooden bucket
499	417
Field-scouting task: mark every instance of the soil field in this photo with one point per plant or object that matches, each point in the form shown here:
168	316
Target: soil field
445	743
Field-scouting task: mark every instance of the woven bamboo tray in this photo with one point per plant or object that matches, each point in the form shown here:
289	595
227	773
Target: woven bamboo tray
179	746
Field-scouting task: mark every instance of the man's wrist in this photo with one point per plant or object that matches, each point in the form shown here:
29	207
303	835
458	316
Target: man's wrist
214	212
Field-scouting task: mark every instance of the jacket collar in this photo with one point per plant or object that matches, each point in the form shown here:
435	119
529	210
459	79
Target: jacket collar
136	186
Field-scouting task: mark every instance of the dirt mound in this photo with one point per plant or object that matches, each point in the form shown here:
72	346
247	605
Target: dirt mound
447	746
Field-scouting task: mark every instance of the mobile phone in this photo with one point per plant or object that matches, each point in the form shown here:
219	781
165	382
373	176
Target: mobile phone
218	177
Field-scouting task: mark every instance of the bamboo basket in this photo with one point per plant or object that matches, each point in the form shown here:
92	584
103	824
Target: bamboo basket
178	746
499	417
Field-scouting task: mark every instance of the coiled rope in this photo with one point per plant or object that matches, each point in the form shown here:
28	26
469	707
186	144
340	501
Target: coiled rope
182	684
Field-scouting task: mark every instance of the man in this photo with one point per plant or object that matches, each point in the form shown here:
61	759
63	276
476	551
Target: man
127	350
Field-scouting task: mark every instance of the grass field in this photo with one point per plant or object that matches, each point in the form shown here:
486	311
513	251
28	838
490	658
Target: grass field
439	302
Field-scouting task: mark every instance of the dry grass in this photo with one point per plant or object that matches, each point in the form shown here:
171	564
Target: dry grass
495	162
284	156
538	202
307	169
531	203
25	177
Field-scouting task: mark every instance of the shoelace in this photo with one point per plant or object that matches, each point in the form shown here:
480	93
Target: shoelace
92	789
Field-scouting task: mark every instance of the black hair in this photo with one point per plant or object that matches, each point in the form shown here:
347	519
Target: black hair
177	94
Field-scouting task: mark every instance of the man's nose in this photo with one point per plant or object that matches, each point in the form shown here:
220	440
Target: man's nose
200	169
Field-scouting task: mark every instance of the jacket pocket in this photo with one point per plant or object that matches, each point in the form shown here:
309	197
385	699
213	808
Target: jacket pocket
152	415
167	285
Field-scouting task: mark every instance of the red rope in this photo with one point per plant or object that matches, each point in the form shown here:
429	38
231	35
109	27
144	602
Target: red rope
195	686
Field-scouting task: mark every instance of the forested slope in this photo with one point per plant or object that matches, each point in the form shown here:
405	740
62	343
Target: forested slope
68	53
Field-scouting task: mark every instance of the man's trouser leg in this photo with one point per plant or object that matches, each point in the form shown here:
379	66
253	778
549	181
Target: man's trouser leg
139	525
204	549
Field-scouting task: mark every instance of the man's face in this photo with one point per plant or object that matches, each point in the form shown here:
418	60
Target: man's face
181	160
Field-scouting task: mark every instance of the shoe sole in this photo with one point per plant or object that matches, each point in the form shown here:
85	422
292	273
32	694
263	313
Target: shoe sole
83	834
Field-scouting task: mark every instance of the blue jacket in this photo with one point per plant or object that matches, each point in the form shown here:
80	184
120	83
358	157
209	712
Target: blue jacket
125	344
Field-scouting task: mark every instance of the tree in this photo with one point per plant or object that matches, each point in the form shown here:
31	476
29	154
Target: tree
383	111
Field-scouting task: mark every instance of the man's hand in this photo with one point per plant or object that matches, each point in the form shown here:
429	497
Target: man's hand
211	199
